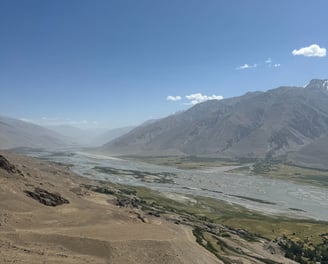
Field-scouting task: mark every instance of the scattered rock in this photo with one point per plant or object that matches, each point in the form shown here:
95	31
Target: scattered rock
242	232
210	225
282	241
47	198
127	202
154	213
6	165
239	231
273	248
142	218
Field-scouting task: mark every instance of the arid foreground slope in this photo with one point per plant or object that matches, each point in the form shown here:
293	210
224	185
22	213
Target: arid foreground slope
88	229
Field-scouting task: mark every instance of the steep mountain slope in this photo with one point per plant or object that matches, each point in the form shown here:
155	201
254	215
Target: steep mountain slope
258	124
16	133
313	155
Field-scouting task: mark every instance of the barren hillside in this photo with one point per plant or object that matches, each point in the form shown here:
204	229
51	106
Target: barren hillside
90	228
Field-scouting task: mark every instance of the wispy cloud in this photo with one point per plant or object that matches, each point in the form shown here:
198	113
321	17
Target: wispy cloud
269	63
173	98
246	66
313	50
198	98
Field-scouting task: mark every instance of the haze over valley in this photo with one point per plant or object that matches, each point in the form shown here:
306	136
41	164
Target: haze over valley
167	132
286	123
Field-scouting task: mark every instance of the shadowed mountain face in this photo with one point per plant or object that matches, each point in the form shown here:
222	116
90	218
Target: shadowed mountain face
257	124
16	133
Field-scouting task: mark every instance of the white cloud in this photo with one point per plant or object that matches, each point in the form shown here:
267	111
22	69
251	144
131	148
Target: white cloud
246	66
313	50
268	61
198	98
276	65
173	98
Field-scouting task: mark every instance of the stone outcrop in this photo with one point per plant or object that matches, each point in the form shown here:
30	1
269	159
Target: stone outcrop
6	165
128	202
47	198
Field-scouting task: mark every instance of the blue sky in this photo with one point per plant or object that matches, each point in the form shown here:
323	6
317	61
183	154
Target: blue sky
114	63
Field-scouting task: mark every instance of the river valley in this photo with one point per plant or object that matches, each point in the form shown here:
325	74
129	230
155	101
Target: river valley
270	196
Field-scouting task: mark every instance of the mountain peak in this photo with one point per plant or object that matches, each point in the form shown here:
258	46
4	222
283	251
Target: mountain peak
318	84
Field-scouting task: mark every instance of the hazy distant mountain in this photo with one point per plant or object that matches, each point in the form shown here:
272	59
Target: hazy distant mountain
77	135
89	136
257	124
16	133
110	135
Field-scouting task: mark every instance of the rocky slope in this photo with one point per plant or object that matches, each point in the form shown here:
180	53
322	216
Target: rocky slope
257	124
312	155
47	215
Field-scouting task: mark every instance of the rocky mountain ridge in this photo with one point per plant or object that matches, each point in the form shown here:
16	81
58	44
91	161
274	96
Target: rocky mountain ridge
256	125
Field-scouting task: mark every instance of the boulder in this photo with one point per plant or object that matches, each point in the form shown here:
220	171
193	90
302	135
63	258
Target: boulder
46	198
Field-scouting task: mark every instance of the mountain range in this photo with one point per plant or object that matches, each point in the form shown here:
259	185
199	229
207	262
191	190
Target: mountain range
15	133
91	137
289	122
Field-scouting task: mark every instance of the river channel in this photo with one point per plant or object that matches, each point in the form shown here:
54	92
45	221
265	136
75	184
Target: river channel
254	192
